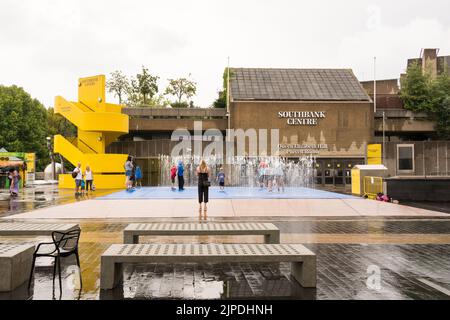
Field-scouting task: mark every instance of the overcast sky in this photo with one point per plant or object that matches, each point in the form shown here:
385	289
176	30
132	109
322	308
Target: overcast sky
45	46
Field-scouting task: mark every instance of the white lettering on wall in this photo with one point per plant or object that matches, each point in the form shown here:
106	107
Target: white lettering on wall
302	118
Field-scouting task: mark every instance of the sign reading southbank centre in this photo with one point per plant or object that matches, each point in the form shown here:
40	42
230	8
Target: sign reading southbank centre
302	118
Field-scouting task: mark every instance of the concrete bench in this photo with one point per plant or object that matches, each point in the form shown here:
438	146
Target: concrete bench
15	265
132	232
303	261
34	229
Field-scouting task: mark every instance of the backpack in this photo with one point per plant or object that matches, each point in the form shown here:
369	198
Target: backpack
74	174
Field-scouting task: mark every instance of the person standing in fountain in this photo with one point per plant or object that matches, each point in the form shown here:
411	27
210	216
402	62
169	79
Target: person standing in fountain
262	174
203	188
279	177
138	175
221	179
180	174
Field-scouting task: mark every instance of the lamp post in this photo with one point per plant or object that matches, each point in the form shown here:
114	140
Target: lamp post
52	157
374	84
384	138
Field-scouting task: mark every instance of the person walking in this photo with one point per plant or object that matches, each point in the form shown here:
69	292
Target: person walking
89	178
180	174
173	174
14	187
203	188
78	175
128	171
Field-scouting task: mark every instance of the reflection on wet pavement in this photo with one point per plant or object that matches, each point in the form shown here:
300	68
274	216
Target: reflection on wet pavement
342	272
411	254
41	197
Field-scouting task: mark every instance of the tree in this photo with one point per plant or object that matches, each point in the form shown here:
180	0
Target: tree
440	104
118	84
442	115
180	88
415	91
221	101
421	93
158	101
23	124
57	124
145	85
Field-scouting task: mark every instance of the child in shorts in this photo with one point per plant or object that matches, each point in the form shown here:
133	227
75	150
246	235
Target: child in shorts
221	179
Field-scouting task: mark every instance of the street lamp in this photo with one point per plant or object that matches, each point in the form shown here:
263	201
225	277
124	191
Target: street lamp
52	157
384	138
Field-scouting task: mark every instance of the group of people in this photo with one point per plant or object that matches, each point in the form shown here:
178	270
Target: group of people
133	174
84	180
271	176
14	181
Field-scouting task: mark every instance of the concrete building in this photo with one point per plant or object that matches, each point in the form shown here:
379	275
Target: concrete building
324	113
320	112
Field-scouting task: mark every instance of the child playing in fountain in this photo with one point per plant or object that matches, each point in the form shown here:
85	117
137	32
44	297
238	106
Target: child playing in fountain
221	179
173	174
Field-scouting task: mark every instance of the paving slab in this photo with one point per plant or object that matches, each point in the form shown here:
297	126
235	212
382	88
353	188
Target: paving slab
188	208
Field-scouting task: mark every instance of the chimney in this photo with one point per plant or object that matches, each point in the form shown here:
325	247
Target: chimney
429	62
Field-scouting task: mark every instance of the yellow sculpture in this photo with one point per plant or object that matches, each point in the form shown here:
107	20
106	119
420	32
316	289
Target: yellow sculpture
99	123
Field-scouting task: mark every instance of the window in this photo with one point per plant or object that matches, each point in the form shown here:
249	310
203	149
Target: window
405	157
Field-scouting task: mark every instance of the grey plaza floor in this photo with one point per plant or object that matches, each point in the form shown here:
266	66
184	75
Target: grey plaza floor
409	246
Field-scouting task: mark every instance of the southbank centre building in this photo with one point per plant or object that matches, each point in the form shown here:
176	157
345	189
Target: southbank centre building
322	113
325	114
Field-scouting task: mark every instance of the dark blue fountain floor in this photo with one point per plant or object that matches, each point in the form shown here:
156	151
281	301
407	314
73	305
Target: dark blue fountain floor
229	193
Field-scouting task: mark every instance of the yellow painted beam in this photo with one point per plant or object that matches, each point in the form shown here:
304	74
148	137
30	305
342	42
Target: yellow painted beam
89	120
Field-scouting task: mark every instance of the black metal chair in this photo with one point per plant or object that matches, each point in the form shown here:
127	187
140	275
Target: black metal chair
63	245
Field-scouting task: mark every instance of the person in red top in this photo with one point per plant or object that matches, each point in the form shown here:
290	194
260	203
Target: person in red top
173	174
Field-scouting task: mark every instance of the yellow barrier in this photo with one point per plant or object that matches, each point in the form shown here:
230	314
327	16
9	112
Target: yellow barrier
372	186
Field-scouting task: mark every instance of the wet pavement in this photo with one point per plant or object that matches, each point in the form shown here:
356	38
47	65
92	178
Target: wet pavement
410	254
39	197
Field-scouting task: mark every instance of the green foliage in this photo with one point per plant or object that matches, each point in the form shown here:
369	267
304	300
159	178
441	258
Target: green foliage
421	93
442	115
157	101
415	91
118	84
182	104
180	88
23	124
145	86
440	104
221	101
59	125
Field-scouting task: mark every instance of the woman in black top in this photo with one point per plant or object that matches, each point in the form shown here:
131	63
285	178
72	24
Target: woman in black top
203	187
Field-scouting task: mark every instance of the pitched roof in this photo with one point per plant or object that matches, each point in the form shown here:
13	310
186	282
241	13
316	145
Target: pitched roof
295	85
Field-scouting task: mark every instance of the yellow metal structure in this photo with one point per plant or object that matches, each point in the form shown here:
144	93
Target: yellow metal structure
374	154
99	123
372	186
356	181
